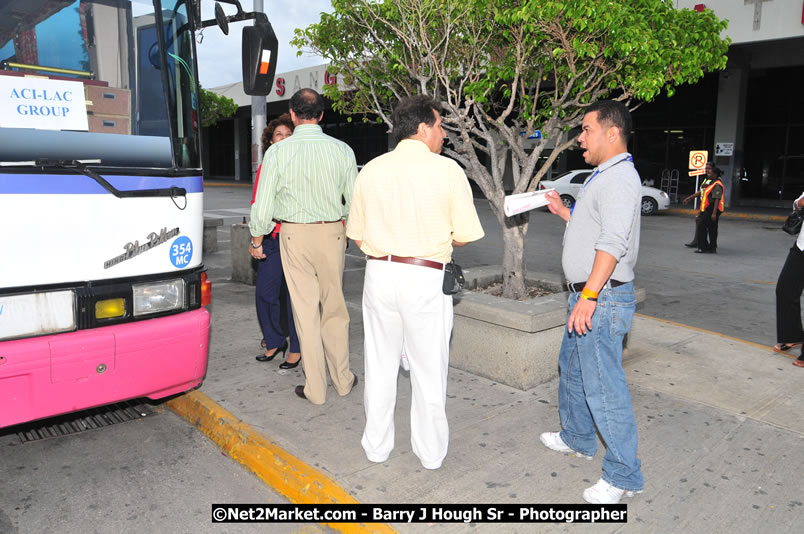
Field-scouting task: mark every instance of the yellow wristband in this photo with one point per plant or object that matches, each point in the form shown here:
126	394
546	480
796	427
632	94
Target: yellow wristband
588	294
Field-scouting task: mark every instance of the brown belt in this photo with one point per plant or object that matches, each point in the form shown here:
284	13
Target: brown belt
412	261
314	222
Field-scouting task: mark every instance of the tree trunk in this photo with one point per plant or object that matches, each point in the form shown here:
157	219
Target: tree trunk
513	269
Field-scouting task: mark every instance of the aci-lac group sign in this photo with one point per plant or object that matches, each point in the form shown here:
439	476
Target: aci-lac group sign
42	104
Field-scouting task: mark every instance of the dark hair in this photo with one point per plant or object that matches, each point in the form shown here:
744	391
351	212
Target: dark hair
613	113
307	104
268	132
411	111
717	171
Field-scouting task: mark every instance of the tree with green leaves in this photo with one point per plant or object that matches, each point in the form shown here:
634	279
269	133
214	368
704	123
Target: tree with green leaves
503	69
215	107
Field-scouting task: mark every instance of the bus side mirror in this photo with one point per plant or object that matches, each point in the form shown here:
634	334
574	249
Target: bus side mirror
260	47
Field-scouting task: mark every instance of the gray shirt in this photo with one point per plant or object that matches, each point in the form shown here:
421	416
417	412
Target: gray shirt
605	217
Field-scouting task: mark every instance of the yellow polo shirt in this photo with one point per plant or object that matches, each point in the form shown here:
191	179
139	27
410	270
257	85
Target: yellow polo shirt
413	203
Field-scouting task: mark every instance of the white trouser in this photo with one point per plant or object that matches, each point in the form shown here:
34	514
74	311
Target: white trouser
405	310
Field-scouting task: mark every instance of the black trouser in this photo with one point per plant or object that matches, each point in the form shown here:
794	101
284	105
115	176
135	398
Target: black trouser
788	298
707	229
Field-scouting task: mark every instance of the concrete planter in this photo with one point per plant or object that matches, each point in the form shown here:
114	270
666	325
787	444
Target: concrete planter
512	342
243	265
211	234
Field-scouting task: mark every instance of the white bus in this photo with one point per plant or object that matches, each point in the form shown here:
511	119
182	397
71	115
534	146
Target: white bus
102	282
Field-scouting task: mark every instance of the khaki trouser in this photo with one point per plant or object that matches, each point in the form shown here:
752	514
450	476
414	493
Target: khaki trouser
313	256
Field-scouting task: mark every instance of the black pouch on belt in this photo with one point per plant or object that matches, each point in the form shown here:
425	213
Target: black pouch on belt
453	278
793	223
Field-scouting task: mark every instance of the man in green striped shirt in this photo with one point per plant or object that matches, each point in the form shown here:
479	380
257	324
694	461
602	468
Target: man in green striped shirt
306	184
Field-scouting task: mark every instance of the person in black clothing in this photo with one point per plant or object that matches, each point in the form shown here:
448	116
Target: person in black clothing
789	332
709	177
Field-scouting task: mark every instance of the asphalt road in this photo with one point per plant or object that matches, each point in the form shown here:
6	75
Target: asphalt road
156	474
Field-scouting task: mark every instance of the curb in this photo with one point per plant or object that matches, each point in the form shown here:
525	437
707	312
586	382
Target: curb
286	474
724	336
732	215
704	331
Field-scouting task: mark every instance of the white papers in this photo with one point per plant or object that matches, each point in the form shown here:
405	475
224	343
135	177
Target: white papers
42	103
516	204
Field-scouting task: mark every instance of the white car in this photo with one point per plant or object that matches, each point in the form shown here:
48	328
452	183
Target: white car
569	184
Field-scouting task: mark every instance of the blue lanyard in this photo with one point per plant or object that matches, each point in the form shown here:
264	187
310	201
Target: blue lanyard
597	171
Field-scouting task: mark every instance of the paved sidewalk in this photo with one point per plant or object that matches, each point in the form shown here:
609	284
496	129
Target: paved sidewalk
721	430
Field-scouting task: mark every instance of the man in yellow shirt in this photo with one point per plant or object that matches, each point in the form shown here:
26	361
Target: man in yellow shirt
410	207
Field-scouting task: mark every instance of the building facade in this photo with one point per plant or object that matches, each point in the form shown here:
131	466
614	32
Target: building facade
749	116
229	153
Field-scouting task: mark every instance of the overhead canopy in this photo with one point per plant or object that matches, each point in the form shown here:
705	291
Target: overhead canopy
21	15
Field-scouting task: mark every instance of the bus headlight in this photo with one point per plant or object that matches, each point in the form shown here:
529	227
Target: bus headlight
36	314
158	297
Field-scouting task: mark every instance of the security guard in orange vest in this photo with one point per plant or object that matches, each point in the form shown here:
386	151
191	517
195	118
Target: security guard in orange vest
709	179
712	205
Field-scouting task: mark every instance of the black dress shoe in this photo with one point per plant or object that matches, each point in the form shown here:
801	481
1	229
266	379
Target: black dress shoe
287	365
264	358
300	392
691	245
704	251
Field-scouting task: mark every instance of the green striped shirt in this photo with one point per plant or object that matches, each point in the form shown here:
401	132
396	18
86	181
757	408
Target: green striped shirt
305	178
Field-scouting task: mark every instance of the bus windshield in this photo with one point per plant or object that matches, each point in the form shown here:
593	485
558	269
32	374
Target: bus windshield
111	82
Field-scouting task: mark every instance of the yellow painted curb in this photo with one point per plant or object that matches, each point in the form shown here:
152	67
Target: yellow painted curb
732	215
667	321
285	473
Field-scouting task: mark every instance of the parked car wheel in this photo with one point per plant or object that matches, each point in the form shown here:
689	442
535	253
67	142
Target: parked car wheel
567	200
649	206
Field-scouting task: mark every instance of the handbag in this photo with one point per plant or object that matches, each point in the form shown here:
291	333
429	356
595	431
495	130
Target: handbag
453	278
793	223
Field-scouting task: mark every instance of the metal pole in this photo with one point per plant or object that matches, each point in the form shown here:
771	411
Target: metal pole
257	117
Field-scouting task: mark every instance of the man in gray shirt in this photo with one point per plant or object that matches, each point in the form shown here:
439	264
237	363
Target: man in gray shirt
600	250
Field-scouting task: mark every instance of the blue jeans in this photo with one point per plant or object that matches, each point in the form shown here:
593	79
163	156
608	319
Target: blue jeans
593	392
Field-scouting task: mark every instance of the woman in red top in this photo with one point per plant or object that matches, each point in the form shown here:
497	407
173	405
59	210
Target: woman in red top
273	302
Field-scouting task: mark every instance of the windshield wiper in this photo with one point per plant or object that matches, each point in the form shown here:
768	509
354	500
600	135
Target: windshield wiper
76	165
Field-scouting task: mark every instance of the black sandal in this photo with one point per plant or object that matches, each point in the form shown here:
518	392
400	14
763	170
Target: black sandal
785	347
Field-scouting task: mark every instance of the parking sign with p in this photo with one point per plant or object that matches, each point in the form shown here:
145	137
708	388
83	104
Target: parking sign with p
698	159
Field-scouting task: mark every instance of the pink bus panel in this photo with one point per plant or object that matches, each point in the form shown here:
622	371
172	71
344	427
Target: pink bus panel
50	375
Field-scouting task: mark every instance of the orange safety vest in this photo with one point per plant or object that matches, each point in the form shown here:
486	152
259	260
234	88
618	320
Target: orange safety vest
705	196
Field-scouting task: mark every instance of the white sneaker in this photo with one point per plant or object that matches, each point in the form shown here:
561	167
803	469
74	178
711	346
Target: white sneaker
552	440
605	493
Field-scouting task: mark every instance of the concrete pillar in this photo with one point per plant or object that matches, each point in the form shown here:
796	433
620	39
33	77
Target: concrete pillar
732	92
238	176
